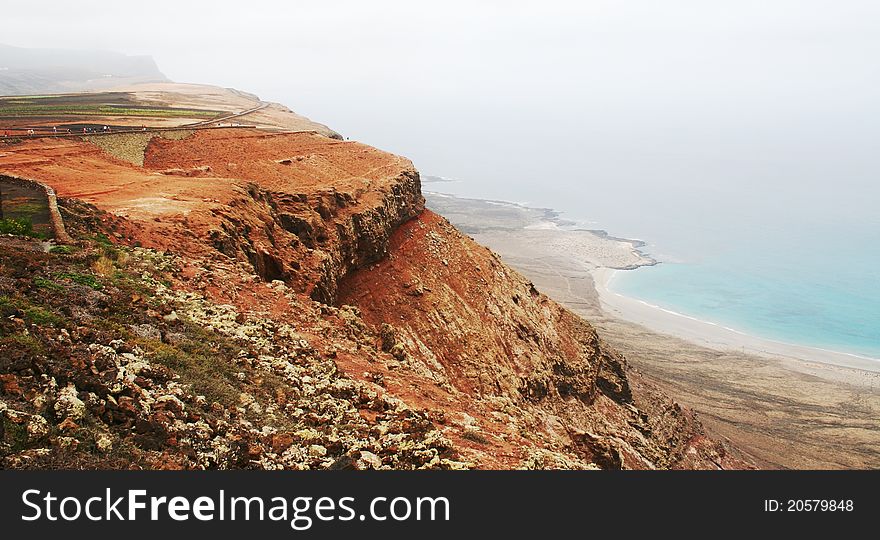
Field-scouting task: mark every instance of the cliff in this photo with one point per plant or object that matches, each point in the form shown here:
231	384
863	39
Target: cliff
284	300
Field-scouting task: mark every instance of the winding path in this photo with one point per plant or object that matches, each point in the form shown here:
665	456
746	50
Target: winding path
207	123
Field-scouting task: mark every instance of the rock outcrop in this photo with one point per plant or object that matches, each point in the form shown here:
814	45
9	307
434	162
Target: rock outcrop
294	305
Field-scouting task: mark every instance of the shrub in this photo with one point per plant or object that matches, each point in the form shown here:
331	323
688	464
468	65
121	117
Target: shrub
44	283
17	226
15	433
103	266
103	240
62	250
31	313
41	317
17	345
81	279
210	375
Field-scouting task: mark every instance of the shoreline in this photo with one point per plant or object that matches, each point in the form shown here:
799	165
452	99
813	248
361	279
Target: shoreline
602	269
713	335
784	406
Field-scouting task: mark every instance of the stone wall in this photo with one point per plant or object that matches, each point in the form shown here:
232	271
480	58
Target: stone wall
57	224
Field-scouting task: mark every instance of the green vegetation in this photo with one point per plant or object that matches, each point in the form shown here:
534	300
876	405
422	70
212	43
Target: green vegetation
44	283
81	279
103	240
62	250
31	313
41	317
8	306
30	208
25	343
15	434
19	227
201	358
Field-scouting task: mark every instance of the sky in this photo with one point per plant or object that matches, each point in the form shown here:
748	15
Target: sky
535	101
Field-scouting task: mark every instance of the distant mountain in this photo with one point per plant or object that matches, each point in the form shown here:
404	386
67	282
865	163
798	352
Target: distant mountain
29	71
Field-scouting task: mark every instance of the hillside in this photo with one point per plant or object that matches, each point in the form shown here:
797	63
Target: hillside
47	71
245	298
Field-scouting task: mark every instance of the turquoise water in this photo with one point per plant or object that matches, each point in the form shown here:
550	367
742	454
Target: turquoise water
822	290
745	151
789	260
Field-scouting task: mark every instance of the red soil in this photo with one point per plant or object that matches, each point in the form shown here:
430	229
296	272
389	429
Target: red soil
506	371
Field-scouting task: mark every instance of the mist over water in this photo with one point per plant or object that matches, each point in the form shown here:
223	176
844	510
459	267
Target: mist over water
784	249
742	144
774	232
739	139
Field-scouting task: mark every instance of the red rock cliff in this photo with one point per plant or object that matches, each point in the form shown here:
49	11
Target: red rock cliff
330	239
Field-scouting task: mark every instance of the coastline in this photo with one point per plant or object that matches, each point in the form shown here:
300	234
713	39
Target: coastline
711	334
608	255
784	406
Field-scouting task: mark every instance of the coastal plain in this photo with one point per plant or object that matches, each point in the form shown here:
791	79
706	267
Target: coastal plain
783	405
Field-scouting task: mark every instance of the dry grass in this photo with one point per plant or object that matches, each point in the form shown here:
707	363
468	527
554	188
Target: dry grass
103	266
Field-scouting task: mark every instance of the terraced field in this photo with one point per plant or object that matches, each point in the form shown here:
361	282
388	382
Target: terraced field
141	107
99	104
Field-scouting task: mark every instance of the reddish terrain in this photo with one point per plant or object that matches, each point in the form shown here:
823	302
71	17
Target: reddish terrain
332	238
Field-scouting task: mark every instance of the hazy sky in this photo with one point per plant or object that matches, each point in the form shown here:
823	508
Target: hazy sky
530	100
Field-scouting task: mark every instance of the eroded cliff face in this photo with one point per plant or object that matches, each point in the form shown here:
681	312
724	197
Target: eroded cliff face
359	330
314	209
533	373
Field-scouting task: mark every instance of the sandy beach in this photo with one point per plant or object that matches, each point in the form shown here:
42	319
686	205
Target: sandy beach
715	336
783	405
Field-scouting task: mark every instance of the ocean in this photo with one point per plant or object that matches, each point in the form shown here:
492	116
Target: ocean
804	272
824	293
743	144
760	202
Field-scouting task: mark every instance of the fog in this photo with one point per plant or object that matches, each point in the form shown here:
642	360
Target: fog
644	116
